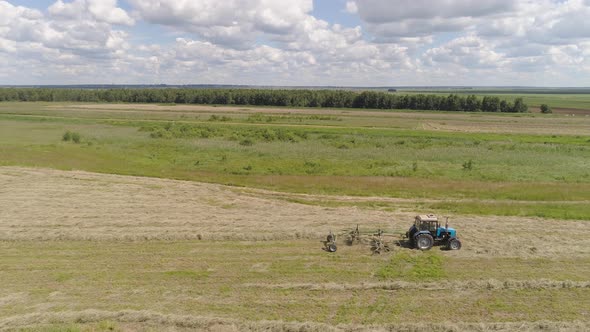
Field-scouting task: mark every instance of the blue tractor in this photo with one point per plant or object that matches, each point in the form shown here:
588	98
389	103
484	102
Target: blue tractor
427	232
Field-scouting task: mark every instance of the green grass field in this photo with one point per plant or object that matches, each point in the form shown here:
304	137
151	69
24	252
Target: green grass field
540	161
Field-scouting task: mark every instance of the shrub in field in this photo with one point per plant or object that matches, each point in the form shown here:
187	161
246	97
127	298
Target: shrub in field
286	136
173	130
76	137
246	142
267	135
72	136
207	132
546	109
160	133
246	136
312	167
301	134
219	118
67	136
234	137
468	165
328	136
270	135
258	117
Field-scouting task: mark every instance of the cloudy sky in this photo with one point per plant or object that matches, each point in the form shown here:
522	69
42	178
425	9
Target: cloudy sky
296	42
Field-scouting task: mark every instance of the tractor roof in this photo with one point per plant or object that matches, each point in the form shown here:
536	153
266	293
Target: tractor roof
427	217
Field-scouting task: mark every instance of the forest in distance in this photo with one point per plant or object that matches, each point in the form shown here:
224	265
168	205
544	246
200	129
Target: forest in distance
264	97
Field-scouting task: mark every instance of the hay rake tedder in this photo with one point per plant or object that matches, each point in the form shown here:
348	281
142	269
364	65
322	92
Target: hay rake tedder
379	241
425	233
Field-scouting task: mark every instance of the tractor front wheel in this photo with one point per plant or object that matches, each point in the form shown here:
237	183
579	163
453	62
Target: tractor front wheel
424	241
454	244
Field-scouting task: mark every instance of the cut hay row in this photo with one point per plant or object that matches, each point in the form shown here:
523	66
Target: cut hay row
200	323
134	234
491	284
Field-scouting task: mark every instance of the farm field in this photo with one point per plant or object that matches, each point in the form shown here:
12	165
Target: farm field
94	251
183	217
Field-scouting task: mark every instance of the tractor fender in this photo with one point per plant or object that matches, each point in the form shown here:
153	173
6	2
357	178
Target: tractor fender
421	232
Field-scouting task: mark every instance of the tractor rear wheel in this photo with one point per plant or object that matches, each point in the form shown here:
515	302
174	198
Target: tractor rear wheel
424	241
454	244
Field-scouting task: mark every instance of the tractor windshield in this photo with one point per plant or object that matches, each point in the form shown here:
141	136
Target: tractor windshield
426	225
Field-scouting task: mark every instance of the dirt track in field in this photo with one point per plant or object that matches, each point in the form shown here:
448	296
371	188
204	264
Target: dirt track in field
43	204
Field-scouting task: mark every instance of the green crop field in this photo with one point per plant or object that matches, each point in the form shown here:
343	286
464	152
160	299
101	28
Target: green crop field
179	217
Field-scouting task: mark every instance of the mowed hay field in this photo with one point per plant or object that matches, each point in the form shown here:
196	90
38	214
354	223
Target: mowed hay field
92	251
169	217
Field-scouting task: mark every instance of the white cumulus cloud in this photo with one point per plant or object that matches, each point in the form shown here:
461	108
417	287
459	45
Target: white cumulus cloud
381	42
99	10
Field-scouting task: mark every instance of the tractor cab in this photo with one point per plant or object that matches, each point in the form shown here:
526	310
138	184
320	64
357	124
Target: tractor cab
427	223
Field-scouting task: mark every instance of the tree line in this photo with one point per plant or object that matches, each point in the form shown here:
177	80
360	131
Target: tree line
270	97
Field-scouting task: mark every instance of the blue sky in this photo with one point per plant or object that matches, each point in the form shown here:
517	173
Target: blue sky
296	42
334	11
